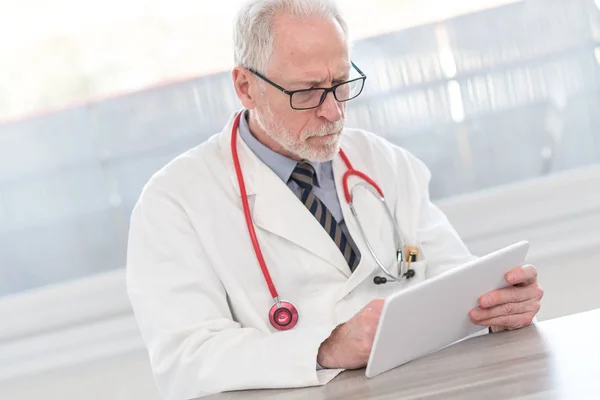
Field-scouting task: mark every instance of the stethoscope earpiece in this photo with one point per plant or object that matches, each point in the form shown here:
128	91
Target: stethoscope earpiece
379	280
410	273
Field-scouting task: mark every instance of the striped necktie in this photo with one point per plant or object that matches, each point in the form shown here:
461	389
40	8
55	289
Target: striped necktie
304	176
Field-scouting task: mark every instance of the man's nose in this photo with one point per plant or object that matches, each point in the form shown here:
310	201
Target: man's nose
330	109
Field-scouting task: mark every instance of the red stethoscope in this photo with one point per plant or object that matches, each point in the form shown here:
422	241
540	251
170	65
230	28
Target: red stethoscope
283	315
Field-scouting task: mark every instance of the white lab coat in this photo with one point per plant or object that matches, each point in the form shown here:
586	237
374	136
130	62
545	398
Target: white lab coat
196	287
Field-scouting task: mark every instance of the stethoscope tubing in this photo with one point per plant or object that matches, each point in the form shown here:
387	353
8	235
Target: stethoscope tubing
283	315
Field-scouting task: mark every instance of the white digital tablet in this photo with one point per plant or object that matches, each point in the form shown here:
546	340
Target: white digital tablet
434	314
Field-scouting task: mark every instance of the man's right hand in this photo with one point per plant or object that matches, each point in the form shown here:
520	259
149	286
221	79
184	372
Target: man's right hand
349	345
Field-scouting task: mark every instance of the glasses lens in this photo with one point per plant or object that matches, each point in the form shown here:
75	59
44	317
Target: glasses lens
349	90
307	98
312	98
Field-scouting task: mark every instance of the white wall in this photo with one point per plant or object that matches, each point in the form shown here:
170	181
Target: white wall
560	217
93	351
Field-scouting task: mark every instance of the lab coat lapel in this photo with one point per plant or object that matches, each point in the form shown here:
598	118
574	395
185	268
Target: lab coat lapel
279	211
371	222
276	209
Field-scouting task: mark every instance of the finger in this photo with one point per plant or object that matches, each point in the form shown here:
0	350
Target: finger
482	314
514	321
512	294
377	303
374	307
521	275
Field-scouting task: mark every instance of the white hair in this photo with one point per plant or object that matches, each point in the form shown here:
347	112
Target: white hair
253	27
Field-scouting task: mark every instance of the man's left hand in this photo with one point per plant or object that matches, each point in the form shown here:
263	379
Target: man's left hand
513	307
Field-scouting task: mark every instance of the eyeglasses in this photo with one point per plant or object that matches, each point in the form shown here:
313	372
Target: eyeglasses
307	99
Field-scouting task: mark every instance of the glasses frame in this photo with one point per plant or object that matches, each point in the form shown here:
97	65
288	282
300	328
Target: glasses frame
332	89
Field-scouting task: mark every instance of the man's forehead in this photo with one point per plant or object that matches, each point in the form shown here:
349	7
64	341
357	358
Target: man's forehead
319	73
302	39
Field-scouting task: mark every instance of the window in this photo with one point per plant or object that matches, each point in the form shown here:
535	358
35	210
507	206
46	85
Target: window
94	98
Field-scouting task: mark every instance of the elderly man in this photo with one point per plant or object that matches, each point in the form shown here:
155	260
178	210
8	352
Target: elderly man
246	267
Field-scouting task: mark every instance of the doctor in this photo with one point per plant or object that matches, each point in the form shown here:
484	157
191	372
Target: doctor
246	266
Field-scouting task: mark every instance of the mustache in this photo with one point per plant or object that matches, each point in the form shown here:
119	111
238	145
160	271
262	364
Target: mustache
324	130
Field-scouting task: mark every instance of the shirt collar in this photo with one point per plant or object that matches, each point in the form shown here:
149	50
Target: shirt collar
282	166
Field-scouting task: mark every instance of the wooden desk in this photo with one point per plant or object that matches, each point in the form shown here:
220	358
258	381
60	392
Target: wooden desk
556	359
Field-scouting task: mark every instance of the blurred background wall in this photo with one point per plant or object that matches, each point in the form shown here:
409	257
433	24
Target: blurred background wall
500	99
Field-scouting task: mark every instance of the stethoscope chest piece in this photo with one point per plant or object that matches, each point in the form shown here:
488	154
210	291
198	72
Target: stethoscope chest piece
283	315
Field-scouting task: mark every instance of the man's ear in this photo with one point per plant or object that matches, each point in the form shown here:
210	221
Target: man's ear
242	82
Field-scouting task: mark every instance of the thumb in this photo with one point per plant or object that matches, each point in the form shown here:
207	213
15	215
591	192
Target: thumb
376	304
